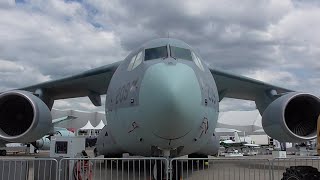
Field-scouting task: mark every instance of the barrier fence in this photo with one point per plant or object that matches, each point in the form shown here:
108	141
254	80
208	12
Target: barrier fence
113	168
29	168
222	168
149	168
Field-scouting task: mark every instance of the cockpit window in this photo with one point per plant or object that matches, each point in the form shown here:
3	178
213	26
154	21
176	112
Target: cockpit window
138	60
156	53
135	61
180	53
197	61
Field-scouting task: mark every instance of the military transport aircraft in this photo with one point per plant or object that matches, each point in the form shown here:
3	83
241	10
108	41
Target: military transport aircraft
161	100
237	143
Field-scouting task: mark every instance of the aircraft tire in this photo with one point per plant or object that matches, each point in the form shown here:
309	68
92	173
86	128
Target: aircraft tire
95	152
301	173
112	163
198	163
3	152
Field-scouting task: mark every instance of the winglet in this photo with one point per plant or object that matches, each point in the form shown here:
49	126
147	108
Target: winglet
236	137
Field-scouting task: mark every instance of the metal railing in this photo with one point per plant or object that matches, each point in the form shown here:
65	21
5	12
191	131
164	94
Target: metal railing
150	168
279	165
221	168
29	169
113	168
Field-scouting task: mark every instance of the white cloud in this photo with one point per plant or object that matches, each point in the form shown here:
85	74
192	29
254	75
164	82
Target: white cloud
14	75
62	39
228	104
275	77
274	41
88	106
8	66
62	104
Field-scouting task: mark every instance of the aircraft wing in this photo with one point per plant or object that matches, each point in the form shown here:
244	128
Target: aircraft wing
88	83
59	120
252	145
240	87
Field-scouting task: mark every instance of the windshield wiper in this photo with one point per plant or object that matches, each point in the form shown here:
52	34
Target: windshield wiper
171	53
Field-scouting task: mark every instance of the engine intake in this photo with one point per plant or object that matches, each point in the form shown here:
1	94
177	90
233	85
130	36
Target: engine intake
23	117
292	117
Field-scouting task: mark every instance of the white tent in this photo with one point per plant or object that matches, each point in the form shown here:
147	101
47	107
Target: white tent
88	126
100	125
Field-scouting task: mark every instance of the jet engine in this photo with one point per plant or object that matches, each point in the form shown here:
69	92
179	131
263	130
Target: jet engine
292	117
23	117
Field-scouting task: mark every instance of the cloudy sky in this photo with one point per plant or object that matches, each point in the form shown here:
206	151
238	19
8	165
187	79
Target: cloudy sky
273	41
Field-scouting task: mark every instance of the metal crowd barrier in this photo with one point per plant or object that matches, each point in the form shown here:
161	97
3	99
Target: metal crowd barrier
29	169
222	168
143	168
112	168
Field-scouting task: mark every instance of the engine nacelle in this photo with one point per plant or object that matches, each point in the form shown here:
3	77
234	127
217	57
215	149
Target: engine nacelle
292	117
42	144
23	117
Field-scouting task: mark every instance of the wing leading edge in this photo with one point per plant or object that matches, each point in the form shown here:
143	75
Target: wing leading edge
240	87
92	83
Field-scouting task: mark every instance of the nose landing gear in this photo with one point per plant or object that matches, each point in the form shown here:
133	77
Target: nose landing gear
166	170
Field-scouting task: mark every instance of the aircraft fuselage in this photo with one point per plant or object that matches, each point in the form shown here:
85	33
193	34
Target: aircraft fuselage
161	104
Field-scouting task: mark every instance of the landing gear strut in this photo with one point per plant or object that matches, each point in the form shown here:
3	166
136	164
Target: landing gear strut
160	169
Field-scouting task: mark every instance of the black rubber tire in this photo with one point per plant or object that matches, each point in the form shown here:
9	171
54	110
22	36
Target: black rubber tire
109	163
301	173
3	152
95	152
195	163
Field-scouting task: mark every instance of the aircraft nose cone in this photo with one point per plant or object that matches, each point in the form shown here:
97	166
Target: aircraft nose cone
170	96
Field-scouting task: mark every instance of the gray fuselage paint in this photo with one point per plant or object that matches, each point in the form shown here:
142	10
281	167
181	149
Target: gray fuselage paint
165	103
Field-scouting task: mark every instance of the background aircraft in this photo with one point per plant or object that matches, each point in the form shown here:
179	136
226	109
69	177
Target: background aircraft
162	100
237	143
44	142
